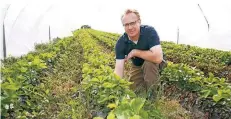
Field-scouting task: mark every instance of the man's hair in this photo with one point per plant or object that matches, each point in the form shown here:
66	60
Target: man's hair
127	11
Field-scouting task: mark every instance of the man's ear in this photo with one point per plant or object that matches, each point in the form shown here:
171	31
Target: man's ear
139	21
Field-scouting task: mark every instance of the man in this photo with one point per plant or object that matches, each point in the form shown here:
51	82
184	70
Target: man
141	44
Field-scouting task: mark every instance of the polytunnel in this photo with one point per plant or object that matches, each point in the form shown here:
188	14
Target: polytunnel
65	59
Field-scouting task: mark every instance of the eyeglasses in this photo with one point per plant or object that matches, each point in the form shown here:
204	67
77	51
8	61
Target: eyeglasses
131	24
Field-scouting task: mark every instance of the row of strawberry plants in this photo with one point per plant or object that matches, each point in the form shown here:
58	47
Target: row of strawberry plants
214	92
112	36
109	34
109	43
218	93
106	94
22	85
62	84
207	60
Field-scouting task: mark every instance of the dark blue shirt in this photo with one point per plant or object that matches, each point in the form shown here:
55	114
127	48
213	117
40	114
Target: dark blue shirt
148	38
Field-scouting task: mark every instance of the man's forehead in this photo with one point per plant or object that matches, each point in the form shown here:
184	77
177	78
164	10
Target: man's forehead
130	17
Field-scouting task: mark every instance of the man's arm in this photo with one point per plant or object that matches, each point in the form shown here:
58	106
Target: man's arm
155	54
119	67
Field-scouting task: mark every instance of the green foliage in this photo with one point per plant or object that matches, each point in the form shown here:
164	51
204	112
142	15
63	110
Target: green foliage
207	60
181	74
21	84
22	87
130	109
214	89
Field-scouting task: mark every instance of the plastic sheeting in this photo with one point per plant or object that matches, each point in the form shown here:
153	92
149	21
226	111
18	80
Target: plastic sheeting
27	22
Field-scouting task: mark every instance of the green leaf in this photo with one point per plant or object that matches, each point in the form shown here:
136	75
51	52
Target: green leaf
28	103
42	65
227	91
217	98
36	61
122	81
10	86
123	109
112	105
135	117
109	85
144	114
130	93
95	80
47	91
117	77
205	93
23	69
111	116
102	99
137	104
30	57
222	80
219	92
211	75
112	97
97	118
215	80
85	70
10	80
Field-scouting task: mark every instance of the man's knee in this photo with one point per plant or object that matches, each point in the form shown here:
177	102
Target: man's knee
150	66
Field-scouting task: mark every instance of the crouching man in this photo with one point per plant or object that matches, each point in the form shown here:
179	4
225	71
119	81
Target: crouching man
141	44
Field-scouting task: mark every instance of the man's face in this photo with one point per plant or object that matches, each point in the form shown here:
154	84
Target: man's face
131	24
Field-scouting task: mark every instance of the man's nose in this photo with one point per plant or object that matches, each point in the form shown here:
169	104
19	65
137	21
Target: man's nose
129	26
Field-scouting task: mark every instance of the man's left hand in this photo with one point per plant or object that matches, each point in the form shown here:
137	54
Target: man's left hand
131	54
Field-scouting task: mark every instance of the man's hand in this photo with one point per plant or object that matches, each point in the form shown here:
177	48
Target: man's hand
153	55
131	54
